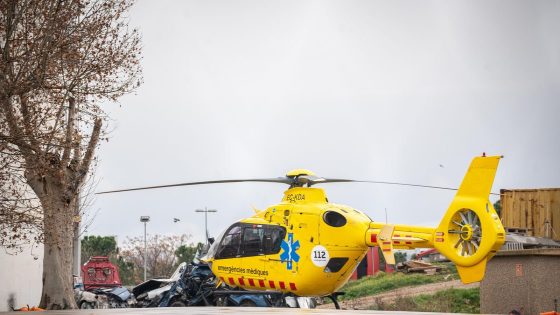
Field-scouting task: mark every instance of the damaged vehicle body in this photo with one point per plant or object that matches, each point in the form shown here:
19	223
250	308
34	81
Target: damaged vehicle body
101	286
194	284
104	298
159	292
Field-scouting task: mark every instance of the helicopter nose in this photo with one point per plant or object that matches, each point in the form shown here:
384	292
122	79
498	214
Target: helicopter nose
207	259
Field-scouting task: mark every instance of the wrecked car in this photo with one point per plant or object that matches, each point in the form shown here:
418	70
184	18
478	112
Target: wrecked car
150	292
194	284
189	285
104	298
101	286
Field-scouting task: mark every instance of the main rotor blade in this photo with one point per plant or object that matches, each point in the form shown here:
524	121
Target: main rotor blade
280	180
342	180
310	179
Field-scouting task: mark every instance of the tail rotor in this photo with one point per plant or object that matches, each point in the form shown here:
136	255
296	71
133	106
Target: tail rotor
466	229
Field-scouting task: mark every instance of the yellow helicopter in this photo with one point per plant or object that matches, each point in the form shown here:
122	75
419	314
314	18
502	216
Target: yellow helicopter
307	246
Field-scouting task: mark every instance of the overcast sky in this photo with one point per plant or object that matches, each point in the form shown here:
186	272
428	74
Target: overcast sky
381	90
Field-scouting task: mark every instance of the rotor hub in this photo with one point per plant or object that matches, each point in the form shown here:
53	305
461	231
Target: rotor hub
299	172
466	232
302	177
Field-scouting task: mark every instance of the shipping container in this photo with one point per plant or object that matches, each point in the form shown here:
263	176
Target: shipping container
536	211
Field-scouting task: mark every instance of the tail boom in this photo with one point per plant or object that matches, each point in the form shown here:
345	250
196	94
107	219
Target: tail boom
403	236
469	234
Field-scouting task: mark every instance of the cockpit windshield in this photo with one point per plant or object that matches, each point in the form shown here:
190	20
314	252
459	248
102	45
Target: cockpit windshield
212	250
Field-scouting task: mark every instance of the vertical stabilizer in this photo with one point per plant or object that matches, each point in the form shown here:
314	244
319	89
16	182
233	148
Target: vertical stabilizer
471	232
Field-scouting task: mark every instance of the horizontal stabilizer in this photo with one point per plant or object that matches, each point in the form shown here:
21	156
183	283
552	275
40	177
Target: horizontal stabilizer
386	243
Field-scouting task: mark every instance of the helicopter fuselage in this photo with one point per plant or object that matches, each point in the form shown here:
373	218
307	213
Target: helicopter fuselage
304	245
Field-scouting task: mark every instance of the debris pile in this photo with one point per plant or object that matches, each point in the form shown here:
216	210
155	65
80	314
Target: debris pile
418	266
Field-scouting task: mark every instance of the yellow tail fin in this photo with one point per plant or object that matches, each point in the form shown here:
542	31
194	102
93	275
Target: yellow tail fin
471	232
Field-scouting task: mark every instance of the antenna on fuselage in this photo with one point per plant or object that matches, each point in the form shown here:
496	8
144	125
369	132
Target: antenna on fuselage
386	221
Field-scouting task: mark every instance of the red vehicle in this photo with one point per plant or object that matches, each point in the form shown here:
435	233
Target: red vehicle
99	272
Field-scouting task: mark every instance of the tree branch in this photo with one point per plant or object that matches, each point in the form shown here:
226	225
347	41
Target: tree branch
16	134
27	122
86	161
69	131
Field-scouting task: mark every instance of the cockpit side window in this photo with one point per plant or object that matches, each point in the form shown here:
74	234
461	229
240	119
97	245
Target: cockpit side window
273	237
252	241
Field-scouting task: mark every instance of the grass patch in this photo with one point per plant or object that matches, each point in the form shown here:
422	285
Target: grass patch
385	282
447	301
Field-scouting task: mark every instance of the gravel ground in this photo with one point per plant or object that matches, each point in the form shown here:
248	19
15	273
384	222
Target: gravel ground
364	302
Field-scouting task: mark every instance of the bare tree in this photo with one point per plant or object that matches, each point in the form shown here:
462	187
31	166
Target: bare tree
161	254
59	61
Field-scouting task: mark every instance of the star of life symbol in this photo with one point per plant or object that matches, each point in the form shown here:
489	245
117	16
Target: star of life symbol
290	255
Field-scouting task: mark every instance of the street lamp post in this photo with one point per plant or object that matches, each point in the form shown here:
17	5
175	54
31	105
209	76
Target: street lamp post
145	219
205	210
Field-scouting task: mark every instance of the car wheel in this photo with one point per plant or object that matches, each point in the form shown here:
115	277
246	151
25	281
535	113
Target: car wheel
178	304
86	305
248	303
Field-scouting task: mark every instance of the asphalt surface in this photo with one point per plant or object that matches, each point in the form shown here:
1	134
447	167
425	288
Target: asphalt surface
219	310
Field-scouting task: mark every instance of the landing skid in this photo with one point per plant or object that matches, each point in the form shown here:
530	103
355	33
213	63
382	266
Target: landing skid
334	298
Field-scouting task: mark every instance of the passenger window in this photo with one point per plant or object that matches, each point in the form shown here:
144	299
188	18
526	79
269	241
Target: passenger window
229	246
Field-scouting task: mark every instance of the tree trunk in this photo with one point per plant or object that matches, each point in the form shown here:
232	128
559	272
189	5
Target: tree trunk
58	290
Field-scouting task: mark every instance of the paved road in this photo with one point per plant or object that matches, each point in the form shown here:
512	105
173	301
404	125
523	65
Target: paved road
217	311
